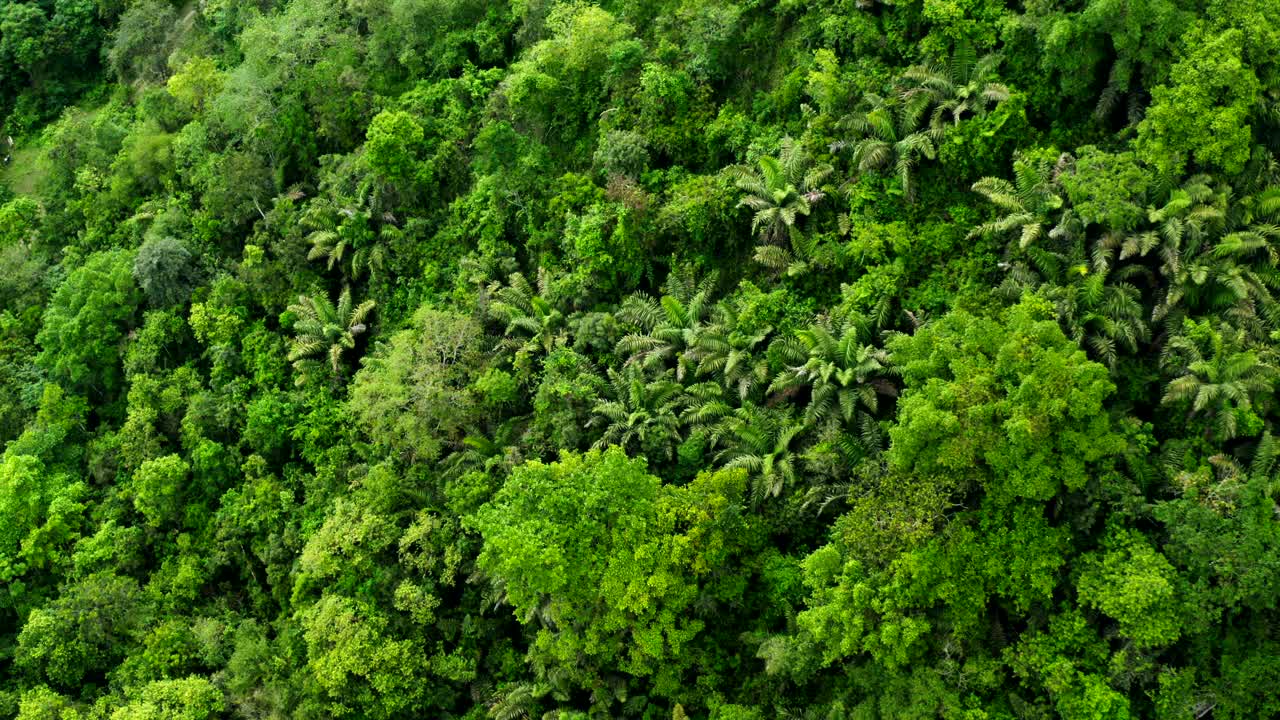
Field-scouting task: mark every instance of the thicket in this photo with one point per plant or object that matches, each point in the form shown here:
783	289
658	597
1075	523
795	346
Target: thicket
726	359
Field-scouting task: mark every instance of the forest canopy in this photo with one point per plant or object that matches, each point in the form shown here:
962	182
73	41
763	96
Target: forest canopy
655	359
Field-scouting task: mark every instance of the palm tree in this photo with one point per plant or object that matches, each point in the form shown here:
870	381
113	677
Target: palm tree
642	415
793	261
729	351
668	326
888	133
781	191
704	407
1104	316
840	463
1218	376
342	237
325	329
1215	255
1028	203
529	311
1180	228
1097	307
842	369
965	85
763	442
517	702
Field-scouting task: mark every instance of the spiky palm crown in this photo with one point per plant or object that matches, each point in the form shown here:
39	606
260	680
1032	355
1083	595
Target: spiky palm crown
325	328
963	85
666	327
642	414
781	190
888	132
1213	259
1218	375
837	361
1029	203
729	352
530	310
344	235
763	442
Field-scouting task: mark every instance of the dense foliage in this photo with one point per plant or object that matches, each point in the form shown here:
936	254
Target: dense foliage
664	359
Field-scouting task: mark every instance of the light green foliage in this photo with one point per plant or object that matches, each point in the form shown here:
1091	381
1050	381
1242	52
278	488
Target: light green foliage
192	698
560	81
595	551
1202	113
198	80
1107	189
40	516
1014	406
363	672
18	221
1133	583
85	324
346	547
393	144
158	488
22	482
1069	658
412	394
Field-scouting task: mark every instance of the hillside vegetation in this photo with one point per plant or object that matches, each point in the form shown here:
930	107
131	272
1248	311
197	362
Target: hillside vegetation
656	359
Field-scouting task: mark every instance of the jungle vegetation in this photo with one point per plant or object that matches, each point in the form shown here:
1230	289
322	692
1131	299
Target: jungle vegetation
658	359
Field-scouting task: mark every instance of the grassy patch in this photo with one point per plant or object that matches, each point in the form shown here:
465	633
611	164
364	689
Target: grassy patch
23	172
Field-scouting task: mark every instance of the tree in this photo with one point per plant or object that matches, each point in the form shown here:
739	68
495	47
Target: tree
190	698
159	489
1028	204
670	325
142	40
321	328
531	311
1132	582
40	516
344	237
888	134
1041	398
1102	315
357	664
1203	112
835	360
728	349
784	189
198	80
605	563
1218	377
86	629
764	443
393	143
412	394
86	322
965	85
165	271
643	414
